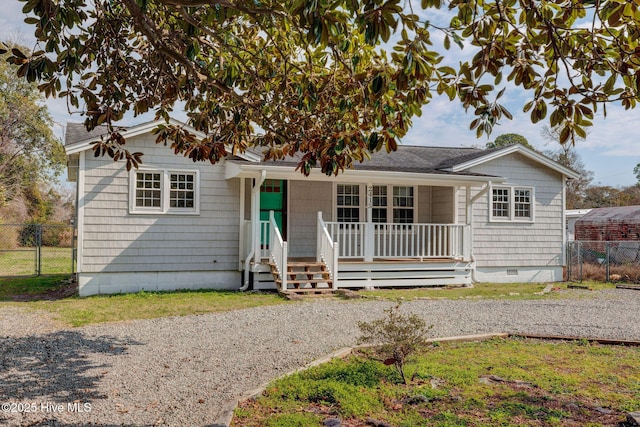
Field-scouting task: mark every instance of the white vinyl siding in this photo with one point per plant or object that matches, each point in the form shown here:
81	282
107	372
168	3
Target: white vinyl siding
307	198
442	205
519	243
116	241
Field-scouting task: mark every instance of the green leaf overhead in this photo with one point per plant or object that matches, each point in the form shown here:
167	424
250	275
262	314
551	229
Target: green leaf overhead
328	80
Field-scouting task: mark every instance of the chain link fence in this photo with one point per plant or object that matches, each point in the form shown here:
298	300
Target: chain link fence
603	261
36	249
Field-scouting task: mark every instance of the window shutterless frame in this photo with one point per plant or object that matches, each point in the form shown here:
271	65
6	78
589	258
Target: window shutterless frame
164	191
511	203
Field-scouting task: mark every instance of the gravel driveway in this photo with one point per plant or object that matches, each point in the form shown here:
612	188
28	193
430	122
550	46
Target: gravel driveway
180	371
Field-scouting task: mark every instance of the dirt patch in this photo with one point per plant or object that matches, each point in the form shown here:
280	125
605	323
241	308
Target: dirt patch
67	288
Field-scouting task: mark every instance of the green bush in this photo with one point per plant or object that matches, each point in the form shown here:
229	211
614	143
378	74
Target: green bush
360	373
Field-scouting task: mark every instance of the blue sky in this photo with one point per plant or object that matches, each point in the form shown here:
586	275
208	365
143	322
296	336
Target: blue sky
611	150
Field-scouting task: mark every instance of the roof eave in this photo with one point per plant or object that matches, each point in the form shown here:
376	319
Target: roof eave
141	129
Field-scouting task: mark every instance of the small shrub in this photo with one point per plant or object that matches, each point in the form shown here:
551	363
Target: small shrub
359	373
29	235
399	337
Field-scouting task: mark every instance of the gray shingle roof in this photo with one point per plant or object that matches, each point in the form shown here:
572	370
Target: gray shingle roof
408	158
613	215
417	159
76	132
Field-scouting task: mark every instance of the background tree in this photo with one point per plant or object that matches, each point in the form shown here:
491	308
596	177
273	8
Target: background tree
312	76
636	172
567	156
600	196
508	139
30	155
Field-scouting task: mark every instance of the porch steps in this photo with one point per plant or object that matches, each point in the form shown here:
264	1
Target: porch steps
304	276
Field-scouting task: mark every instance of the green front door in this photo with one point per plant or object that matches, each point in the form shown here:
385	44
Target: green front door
273	198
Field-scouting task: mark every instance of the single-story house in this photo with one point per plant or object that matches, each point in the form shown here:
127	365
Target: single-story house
420	216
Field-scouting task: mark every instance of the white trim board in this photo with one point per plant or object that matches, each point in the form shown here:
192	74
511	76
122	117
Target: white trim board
516	148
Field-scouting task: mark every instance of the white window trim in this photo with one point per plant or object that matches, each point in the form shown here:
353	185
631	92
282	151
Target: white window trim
362	194
391	206
512	217
363	208
164	208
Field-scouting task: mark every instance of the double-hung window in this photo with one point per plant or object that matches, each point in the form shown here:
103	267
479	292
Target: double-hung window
164	191
510	203
403	205
400	208
379	204
348	202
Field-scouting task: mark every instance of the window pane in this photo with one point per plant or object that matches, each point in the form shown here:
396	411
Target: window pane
182	193
403	205
403	216
348	215
379	215
522	203
403	196
148	193
500	201
348	202
380	195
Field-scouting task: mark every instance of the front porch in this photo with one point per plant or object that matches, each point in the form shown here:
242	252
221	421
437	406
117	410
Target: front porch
365	230
361	255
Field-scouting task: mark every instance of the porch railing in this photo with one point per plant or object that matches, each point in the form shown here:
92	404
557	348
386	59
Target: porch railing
278	250
327	251
372	240
350	237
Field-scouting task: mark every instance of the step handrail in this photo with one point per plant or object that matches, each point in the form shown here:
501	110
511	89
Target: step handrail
327	251
278	250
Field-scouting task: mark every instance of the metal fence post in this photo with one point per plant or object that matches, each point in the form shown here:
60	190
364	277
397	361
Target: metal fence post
580	259
38	236
73	250
607	261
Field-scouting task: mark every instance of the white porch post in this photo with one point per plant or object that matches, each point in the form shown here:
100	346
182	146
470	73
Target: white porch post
369	229
255	215
468	238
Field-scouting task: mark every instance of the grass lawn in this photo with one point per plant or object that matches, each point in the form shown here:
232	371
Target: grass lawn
148	305
23	262
500	382
32	287
54	294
